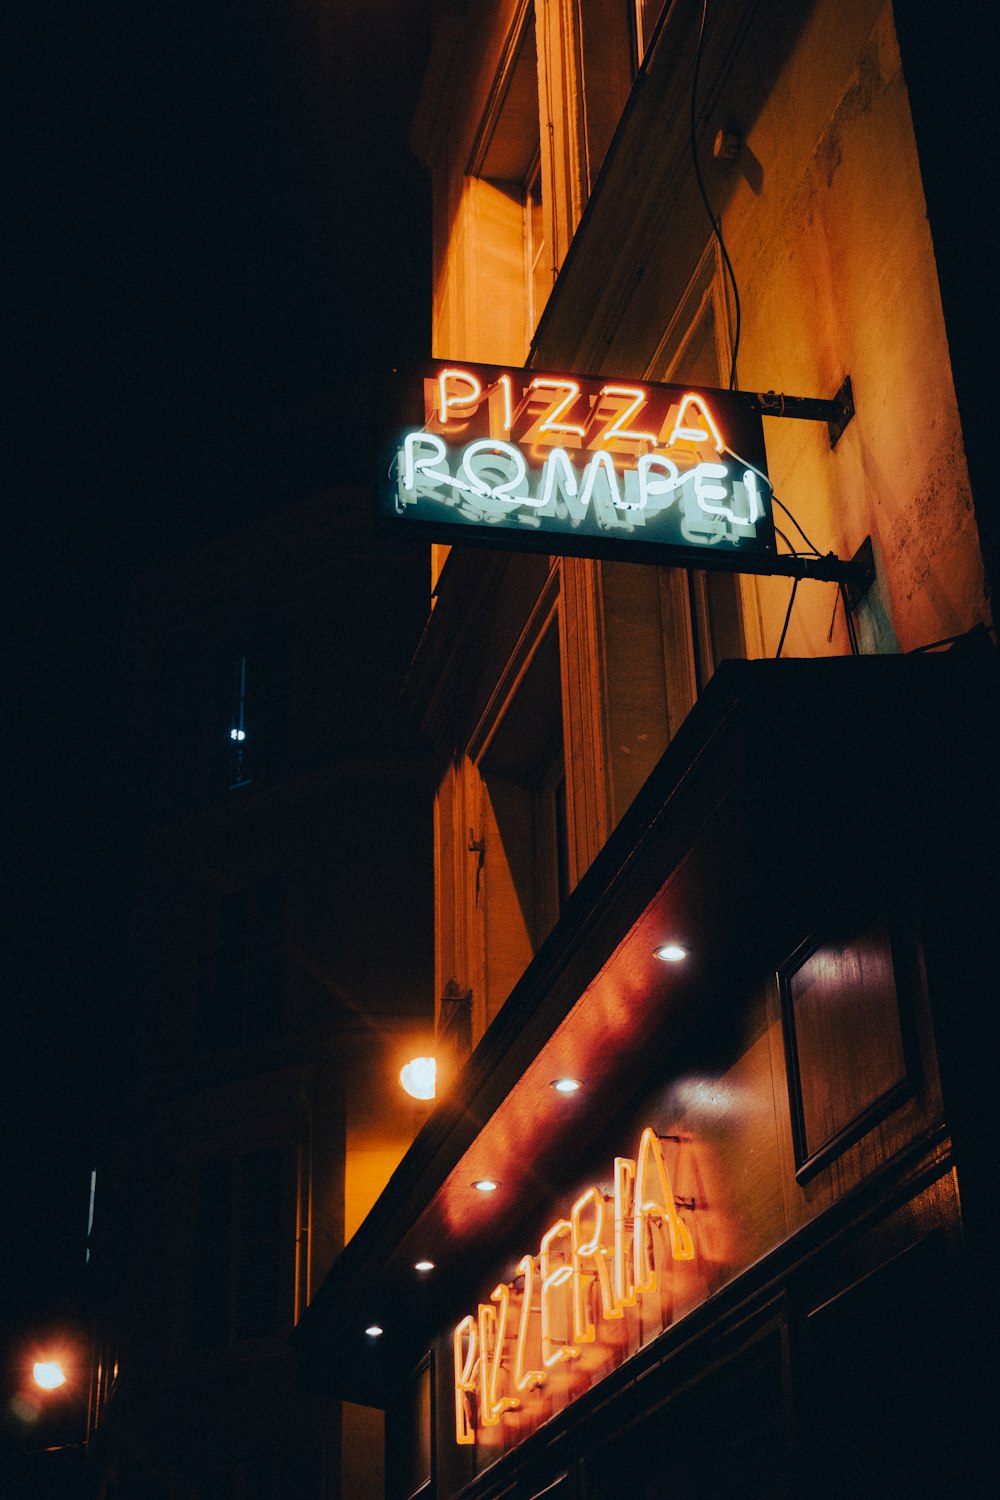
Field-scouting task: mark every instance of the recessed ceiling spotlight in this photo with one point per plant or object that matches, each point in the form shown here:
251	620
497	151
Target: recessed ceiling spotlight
671	953
374	1331
486	1185
423	1265
566	1085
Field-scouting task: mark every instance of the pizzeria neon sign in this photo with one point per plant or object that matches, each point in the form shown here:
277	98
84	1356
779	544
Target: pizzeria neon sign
519	458
590	1269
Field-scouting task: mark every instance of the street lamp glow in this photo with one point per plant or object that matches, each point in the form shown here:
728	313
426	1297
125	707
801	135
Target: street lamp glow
419	1077
49	1374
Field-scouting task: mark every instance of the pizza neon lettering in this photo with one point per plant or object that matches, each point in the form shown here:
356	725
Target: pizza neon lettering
514	450
589	1270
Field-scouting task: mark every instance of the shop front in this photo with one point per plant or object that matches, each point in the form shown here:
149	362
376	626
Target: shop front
736	1120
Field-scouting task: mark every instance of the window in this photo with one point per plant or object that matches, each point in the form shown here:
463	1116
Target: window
519	869
524	773
506	158
846	1004
242	964
236	1272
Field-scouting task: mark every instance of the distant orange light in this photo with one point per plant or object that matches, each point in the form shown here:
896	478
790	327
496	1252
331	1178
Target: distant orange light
49	1374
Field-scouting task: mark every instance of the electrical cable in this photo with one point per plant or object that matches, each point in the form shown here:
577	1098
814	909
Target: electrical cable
795	523
788	616
852	636
716	226
761	475
791	550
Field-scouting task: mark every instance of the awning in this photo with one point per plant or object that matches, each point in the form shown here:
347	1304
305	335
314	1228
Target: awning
791	787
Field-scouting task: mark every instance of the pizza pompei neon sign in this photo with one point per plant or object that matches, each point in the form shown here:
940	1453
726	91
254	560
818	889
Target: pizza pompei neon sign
590	1269
518	451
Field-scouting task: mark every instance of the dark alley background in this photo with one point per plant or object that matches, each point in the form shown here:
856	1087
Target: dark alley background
219	241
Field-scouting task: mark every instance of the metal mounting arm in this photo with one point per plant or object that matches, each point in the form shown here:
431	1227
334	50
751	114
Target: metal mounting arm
836	413
857	575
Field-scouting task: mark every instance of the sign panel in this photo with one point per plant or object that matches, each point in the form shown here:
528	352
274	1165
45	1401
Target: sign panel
489	455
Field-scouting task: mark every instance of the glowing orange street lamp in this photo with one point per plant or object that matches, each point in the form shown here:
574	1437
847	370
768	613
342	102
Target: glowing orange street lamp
49	1374
419	1077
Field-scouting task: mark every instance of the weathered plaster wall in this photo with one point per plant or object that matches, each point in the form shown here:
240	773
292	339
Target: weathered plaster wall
837	275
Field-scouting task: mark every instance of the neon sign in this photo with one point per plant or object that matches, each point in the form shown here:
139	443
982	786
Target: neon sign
591	1270
558	463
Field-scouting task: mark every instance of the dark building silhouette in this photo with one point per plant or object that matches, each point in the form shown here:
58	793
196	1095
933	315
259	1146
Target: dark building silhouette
280	978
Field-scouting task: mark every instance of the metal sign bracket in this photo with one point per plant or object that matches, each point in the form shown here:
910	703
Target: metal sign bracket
855	576
836	413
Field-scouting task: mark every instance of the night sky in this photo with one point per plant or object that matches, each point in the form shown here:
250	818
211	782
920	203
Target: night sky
214	217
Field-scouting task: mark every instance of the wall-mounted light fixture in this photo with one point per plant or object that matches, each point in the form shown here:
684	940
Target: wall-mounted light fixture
566	1085
419	1077
49	1374
486	1185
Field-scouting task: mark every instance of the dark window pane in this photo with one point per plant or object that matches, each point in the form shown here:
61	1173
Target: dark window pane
845	1036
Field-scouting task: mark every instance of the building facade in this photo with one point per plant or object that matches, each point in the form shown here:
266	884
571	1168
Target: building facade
739	906
279	982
